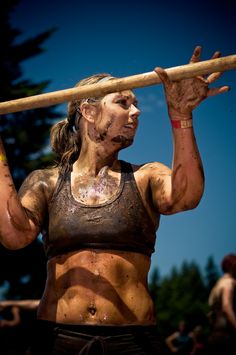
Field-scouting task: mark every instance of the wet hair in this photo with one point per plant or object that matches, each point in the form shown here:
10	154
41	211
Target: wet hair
228	264
65	136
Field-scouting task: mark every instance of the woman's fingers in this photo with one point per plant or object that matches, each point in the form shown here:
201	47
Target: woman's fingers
163	76
213	77
216	91
196	55
217	54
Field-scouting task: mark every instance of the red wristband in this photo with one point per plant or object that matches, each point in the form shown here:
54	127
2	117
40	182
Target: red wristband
182	123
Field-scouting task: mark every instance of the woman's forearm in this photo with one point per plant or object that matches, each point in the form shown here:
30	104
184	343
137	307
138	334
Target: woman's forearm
187	170
15	228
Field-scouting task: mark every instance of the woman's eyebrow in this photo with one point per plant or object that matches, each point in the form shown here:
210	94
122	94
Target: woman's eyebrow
127	97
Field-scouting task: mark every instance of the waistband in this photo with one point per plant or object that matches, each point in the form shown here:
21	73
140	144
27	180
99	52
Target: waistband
97	330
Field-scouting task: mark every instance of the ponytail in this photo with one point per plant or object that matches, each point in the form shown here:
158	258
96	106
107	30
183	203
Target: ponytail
66	144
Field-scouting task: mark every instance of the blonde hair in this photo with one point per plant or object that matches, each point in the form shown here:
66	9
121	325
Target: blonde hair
65	136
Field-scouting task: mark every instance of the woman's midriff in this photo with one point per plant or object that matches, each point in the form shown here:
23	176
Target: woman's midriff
98	287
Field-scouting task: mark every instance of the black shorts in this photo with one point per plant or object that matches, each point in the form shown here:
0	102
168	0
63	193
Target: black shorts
60	339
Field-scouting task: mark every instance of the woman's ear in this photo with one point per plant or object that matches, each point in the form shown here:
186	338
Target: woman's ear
88	111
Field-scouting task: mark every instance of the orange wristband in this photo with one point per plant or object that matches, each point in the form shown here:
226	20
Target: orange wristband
182	123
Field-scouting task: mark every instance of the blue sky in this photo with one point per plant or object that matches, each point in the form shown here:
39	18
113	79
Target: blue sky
130	37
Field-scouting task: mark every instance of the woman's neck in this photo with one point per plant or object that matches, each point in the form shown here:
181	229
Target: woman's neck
91	161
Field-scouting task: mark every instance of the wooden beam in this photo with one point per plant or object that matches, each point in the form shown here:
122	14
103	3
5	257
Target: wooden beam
131	82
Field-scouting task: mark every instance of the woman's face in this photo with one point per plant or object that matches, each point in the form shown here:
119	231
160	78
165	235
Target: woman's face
117	119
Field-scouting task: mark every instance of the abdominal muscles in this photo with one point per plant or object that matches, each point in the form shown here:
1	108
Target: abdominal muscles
98	287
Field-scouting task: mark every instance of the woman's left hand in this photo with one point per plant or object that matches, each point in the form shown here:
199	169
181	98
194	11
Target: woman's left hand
185	95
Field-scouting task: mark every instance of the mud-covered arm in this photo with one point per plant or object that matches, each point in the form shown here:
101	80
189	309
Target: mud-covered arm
181	188
21	215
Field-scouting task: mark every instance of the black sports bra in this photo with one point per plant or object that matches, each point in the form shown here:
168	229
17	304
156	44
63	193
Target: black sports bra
121	223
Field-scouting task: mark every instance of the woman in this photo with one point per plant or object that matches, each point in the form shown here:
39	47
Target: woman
222	302
99	216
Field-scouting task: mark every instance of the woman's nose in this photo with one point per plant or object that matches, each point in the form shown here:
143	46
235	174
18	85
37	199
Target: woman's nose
134	111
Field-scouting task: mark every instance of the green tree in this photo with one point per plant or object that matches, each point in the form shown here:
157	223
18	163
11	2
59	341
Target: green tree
211	273
182	295
154	284
25	135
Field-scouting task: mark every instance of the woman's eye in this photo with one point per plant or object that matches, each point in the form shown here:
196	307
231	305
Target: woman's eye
126	103
123	102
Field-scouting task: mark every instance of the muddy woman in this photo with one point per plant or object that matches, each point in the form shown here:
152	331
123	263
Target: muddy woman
99	216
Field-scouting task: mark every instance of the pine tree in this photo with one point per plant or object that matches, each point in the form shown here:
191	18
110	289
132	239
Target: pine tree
153	284
25	135
211	273
182	295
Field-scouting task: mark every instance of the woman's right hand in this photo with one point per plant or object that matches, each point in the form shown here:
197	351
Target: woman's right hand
183	96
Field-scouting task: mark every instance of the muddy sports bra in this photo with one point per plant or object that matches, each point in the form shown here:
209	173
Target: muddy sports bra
121	223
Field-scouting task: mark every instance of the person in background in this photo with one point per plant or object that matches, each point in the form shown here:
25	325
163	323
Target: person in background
12	318
180	342
222	316
99	216
16	325
199	341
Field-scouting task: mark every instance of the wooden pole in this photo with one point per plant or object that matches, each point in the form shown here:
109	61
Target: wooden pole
115	85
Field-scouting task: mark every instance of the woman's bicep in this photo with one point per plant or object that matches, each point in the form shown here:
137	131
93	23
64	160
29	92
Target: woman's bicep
160	184
33	199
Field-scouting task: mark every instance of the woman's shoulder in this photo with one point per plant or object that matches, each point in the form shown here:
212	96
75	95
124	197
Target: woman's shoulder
41	180
42	176
150	168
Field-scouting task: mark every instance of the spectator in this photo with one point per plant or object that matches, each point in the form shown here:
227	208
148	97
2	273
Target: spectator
222	316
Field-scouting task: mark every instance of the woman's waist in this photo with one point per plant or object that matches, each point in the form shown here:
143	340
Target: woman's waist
97	286
97	274
96	330
104	305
